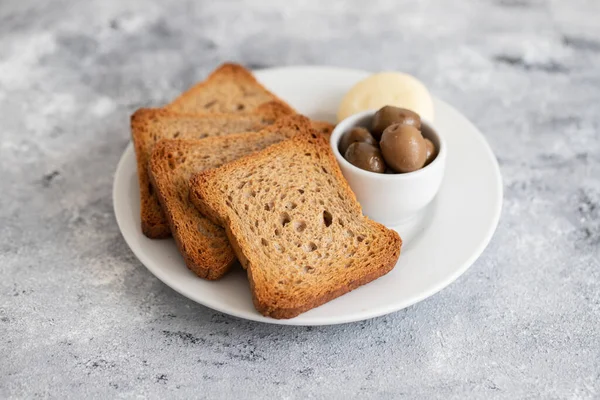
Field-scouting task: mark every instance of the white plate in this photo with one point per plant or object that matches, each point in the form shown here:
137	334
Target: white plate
438	246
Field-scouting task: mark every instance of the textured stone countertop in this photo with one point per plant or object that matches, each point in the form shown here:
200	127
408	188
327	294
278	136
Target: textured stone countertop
81	317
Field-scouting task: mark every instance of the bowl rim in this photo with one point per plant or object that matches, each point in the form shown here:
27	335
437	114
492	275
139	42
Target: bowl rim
345	124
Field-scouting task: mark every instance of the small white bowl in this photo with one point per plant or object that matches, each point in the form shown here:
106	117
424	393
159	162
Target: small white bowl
391	199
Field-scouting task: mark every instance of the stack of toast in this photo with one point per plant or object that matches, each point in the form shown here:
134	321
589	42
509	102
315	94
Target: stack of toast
232	172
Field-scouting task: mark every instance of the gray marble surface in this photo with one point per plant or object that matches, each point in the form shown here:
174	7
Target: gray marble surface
81	317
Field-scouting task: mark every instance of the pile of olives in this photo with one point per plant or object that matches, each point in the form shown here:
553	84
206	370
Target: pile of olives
393	145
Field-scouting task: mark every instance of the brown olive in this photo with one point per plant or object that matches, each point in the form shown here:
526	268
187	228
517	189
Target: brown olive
389	115
403	148
365	156
357	134
430	151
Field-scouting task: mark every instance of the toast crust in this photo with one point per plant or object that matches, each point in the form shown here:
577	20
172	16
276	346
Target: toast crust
374	252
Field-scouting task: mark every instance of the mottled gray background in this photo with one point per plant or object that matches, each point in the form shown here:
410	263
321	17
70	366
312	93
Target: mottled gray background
81	317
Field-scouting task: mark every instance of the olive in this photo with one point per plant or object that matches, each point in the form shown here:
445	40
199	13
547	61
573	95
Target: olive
357	134
430	151
389	115
403	148
365	156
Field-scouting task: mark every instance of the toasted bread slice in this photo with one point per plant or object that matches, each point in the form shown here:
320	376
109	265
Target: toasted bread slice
295	225
231	88
148	126
203	245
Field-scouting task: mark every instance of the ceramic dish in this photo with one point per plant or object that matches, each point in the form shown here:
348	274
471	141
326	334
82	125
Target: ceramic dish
391	199
440	243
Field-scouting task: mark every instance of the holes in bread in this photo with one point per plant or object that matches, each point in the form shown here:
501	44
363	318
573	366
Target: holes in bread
283	196
279	248
309	247
256	224
284	219
246	207
150	189
269	206
291	258
340	195
176	135
249	193
308	269
277	232
327	218
349	233
290	205
313	135
324	170
348	264
299	226
206	156
341	222
301	191
360	238
240	107
210	104
321	202
264	242
307	154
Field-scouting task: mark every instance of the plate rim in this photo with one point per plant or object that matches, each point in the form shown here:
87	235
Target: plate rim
358	315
